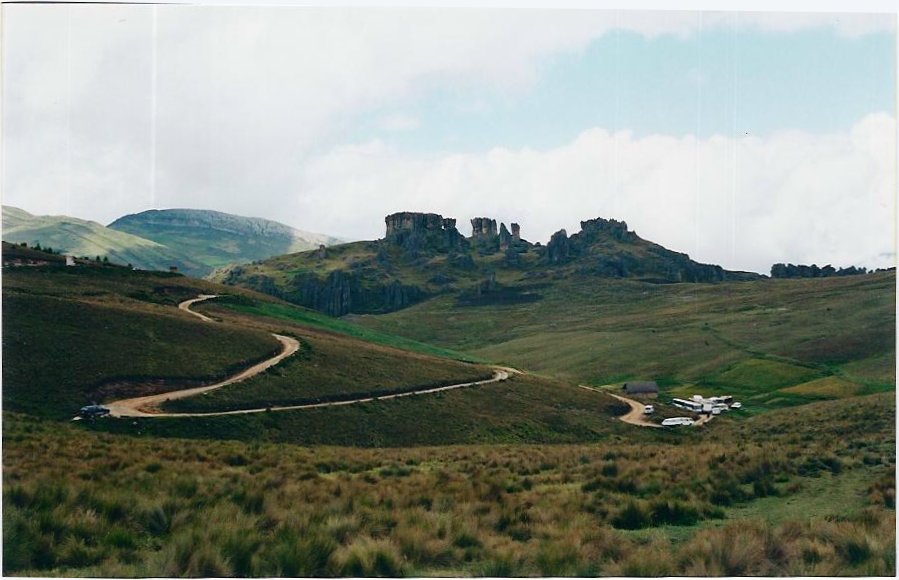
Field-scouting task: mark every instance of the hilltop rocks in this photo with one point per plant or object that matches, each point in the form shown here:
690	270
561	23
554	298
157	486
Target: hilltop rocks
558	249
595	228
505	238
418	231
424	255
403	224
483	228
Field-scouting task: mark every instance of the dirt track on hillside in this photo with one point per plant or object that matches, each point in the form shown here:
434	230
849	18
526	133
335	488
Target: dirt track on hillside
633	417
148	406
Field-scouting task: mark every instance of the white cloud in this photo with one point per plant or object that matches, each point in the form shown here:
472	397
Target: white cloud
398	122
744	203
251	101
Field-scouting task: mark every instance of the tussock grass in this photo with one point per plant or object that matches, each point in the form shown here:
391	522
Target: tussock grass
84	503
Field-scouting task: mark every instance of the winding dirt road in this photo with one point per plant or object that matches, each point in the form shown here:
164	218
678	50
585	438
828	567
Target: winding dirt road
148	406
633	417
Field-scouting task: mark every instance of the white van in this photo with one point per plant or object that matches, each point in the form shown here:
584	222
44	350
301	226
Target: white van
648	410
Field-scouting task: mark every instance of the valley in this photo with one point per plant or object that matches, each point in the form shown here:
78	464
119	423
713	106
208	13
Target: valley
399	444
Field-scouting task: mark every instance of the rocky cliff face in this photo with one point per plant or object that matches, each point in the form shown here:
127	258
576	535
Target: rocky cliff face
558	250
420	231
483	228
505	238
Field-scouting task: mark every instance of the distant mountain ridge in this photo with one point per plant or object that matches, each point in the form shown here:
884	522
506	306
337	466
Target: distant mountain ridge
86	238
194	241
216	238
424	255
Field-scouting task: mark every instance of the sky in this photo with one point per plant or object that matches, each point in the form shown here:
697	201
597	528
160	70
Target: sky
740	138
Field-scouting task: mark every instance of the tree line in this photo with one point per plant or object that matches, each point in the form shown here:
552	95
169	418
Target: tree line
814	271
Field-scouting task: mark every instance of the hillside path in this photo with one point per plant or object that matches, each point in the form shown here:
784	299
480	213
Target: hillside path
148	406
633	417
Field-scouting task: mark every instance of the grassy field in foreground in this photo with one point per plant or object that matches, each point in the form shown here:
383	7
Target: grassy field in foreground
740	502
749	339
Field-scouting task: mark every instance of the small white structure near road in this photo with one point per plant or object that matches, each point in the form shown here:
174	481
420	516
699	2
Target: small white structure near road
70	260
675	421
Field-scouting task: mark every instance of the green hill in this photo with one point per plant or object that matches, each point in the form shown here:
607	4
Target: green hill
758	340
216	239
425	255
80	238
76	334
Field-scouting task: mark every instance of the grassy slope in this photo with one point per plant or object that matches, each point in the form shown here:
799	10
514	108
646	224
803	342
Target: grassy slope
329	366
85	238
521	410
66	333
739	499
107	324
310	318
750	338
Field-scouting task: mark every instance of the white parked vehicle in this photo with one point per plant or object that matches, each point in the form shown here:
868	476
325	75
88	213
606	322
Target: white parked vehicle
673	421
648	410
737	405
716	410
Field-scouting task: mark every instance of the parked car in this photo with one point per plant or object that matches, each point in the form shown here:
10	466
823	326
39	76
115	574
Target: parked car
93	411
737	405
648	410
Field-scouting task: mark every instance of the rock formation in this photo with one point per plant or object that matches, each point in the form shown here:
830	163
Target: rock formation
505	238
516	232
410	223
559	248
483	228
591	229
416	231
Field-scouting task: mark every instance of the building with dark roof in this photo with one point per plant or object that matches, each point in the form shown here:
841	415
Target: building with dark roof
640	388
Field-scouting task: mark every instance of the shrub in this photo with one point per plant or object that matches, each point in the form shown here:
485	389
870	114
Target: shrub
673	512
308	556
633	517
559	558
367	557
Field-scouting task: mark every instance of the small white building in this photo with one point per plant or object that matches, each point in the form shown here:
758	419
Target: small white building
70	260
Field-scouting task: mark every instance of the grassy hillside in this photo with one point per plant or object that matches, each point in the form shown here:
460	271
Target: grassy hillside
766	341
80	238
520	410
805	492
70	337
333	367
215	239
424	255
